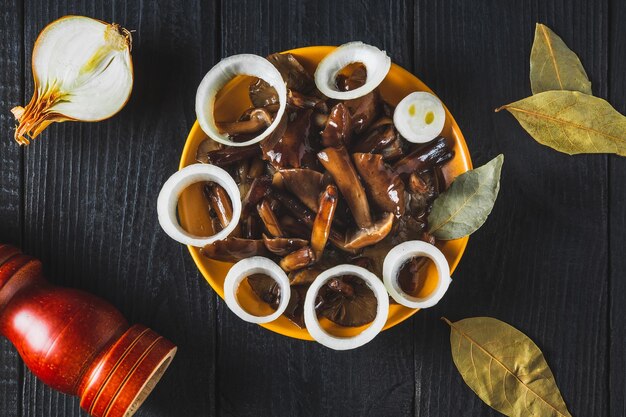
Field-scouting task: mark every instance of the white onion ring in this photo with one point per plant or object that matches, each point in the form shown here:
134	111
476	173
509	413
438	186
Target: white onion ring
219	76
345	343
375	61
250	266
167	202
402	253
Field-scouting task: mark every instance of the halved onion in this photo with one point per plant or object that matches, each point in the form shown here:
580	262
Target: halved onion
344	343
398	256
167	202
219	76
250	266
375	61
419	117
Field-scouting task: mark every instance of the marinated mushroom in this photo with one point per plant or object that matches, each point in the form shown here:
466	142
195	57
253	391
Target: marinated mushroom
290	148
269	218
347	301
304	276
364	111
337	162
256	120
283	246
351	77
233	249
433	153
299	259
384	187
338	127
259	188
324	220
372	234
306	184
220	203
231	155
301	101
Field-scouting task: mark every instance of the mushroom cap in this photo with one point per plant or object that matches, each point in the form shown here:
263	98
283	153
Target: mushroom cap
371	235
347	301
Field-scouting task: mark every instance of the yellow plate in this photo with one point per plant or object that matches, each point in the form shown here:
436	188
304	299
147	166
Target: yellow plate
231	102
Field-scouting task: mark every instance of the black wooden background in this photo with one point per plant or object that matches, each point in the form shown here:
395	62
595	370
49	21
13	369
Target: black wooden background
549	260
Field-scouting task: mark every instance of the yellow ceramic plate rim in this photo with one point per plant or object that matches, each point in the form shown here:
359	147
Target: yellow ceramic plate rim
452	249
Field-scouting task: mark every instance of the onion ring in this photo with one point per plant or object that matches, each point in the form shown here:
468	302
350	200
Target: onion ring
219	76
375	61
402	253
245	268
167	202
345	343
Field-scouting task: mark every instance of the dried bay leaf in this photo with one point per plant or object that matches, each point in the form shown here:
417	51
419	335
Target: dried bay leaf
553	66
571	122
505	368
464	207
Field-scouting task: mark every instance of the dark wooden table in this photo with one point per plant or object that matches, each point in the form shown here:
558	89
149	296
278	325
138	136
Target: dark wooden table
549	260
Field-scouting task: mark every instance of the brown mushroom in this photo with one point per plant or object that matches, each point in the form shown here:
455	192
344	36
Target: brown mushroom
289	149
294	74
364	111
351	77
347	301
204	148
376	139
293	227
323	220
257	167
282	246
233	249
299	100
299	259
230	155
257	120
433	153
262	94
259	188
384	187
338	127
306	184
371	235
220	203
338	163
411	277
307	218
304	276
251	226
393	151
269	218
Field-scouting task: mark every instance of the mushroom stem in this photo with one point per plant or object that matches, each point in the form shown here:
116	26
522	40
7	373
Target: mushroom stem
324	220
299	259
337	162
301	101
220	203
433	153
282	246
233	249
308	218
231	155
269	218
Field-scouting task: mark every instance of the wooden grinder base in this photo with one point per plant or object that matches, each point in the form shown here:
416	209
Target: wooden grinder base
76	342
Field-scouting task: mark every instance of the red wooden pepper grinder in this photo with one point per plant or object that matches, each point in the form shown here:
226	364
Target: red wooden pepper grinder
77	343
